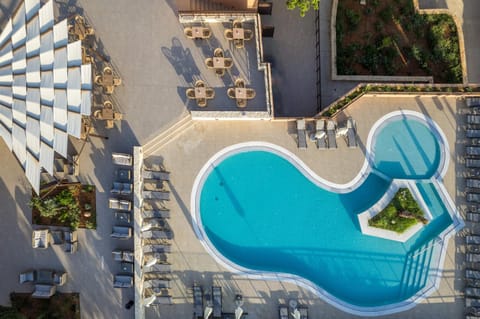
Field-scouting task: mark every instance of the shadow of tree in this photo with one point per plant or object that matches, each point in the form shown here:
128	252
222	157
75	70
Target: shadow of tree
181	60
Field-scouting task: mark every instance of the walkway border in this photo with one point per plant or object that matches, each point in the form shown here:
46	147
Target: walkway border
435	274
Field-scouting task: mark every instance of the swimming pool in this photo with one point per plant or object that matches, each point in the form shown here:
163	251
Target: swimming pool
260	211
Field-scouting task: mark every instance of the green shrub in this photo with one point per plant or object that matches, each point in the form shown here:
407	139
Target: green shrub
353	19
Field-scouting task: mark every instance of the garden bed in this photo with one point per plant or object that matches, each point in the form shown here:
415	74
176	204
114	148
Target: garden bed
59	306
75	205
389	38
402	213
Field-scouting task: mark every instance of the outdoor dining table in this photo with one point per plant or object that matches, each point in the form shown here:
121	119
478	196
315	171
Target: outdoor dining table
238	34
240	93
219	63
107	113
197	32
107	79
200	93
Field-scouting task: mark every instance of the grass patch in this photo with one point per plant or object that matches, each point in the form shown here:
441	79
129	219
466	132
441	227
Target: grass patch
59	306
402	213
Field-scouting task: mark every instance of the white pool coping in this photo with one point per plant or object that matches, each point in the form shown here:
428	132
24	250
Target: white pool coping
434	273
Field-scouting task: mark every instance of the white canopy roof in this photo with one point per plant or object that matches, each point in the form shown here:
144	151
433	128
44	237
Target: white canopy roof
44	88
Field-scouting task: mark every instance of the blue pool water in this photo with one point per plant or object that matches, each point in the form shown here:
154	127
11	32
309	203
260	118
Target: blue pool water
262	213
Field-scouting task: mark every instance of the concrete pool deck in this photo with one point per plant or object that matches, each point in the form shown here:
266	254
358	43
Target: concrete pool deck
186	154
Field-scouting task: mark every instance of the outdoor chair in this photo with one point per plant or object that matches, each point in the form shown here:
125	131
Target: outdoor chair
44	291
228	63
250	93
117	81
126	189
239	83
188	33
209	63
218	53
331	134
199	84
228	34
241	103
209	93
190	93
247	34
116	188
202	102
98	80
121	232
237	24
122	159
239	43
301	134
41	238
206	33
57	237
59	278
122	281
28	276
320	134
117	116
217	302
231	93
220	72
98	114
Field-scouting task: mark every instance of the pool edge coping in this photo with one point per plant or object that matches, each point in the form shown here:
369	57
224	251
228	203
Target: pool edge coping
435	276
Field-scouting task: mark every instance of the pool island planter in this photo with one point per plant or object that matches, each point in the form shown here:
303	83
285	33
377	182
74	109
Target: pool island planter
439	243
364	217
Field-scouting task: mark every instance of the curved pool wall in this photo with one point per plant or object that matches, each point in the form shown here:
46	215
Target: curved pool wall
439	245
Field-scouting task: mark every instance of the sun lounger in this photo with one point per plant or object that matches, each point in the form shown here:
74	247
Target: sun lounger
303	312
475	249
121	232
156	195
160	269
472	311
157	283
472	240
472	274
197	302
320	134
122	159
470	162
470	282
473	119
44	291
157	249
158	258
28	276
351	133
471	133
40	238
122	281
160	213
301	134
472	292
473	150
470	302
472	101
473	258
332	134
217	302
164	176
473	183
283	312
156	234
473	197
119	204
473	217
154	223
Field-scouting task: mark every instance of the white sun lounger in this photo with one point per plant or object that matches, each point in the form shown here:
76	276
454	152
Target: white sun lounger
351	133
197	302
157	248
470	302
473	150
332	134
122	159
472	183
217	301
473	217
154	223
472	292
161	269
472	274
301	134
157	283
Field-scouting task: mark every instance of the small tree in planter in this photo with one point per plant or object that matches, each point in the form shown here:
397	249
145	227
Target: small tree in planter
302	5
63	206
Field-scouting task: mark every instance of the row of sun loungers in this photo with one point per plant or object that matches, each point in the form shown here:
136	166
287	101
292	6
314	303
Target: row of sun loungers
472	101
213	305
325	135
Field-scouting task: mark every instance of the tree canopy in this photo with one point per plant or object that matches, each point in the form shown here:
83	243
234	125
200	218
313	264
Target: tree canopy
302	5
